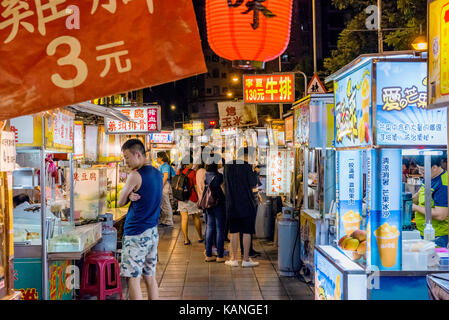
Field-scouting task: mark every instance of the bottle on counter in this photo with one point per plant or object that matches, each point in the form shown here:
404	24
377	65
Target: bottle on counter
429	232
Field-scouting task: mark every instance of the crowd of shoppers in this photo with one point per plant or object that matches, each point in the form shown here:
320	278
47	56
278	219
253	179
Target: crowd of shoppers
226	194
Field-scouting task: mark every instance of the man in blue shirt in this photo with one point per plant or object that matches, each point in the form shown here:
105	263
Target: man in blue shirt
140	238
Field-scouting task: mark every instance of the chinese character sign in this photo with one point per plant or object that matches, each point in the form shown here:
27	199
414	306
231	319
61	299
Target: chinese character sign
384	204
78	144
269	88
279	172
143	120
237	114
63	129
353	108
228	131
438	85
402	114
162	137
90	192
7	151
80	50
58	288
350	204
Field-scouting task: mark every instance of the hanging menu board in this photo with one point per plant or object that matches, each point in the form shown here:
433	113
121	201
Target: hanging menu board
280	170
7	151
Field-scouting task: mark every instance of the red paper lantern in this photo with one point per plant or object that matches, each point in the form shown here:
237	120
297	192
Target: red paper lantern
248	32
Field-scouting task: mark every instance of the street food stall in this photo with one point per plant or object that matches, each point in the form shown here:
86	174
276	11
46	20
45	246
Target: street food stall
381	116
314	172
46	240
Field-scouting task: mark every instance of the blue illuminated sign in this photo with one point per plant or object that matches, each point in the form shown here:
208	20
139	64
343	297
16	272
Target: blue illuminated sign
353	108
349	195
402	117
384	194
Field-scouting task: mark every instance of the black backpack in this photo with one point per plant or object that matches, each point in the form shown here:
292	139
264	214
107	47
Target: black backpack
180	186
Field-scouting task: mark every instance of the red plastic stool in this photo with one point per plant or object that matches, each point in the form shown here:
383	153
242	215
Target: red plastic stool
101	253
104	280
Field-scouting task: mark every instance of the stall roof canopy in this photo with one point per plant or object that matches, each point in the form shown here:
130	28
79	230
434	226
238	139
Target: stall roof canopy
313	97
100	111
364	58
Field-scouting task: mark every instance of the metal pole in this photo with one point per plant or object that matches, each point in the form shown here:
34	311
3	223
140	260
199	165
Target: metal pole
281	106
305	81
72	189
428	191
294	178
305	179
379	26
314	37
43	218
116	182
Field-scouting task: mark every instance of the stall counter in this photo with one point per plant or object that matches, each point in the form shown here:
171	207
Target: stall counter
337	276
118	213
310	224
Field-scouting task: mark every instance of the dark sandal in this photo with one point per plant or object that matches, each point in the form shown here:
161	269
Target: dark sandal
201	241
187	243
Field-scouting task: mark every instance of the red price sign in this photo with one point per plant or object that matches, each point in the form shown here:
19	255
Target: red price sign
54	53
269	88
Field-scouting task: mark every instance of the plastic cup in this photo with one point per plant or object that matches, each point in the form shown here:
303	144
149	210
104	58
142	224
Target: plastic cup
351	226
388	248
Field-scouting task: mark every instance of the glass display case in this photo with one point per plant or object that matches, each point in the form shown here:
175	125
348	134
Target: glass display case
28	184
90	193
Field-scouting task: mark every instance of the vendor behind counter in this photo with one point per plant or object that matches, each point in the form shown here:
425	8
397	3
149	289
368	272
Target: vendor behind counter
440	210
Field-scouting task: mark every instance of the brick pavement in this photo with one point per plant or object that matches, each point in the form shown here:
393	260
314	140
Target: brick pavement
182	273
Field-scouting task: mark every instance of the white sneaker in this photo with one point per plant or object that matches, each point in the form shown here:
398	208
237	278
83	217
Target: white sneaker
232	263
249	264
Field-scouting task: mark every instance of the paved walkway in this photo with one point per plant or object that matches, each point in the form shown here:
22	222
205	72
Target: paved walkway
182	273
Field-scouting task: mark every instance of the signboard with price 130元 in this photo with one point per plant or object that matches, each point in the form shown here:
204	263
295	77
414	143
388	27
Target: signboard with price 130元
269	88
143	120
57	52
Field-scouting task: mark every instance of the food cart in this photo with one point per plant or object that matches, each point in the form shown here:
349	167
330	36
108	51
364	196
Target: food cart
46	240
314	172
380	115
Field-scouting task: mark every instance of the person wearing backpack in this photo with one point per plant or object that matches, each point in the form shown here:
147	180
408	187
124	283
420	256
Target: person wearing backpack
215	215
184	189
166	217
173	200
